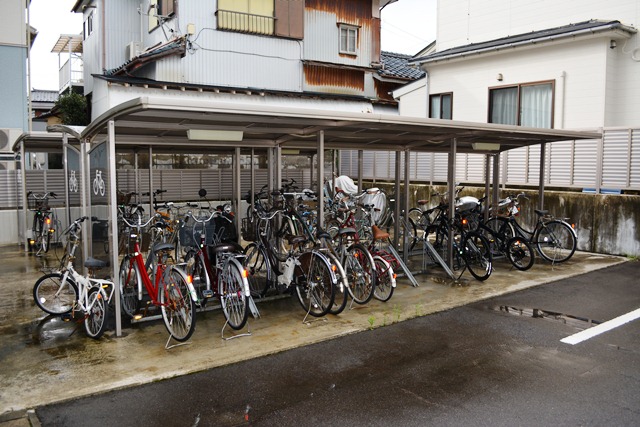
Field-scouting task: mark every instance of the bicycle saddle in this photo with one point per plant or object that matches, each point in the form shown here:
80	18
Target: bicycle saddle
225	247
378	234
163	247
95	263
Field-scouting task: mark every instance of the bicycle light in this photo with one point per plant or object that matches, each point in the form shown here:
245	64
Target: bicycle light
48	221
245	273
189	278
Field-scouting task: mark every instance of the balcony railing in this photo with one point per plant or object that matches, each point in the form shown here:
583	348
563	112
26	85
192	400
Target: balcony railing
245	22
71	74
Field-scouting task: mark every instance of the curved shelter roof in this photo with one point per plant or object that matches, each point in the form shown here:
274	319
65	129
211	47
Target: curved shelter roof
168	122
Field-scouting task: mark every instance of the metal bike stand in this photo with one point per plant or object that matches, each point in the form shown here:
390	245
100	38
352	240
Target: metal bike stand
178	344
404	267
245	334
433	253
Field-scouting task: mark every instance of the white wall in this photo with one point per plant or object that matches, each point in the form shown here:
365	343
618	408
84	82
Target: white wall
461	22
580	83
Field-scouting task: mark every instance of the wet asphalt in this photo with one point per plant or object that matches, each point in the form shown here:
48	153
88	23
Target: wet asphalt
487	363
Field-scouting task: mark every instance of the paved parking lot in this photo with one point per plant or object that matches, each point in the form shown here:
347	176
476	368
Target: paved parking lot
498	362
46	361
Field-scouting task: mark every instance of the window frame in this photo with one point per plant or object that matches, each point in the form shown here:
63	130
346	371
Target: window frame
440	95
87	26
345	49
518	87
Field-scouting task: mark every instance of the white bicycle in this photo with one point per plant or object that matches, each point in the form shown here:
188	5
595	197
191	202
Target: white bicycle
66	292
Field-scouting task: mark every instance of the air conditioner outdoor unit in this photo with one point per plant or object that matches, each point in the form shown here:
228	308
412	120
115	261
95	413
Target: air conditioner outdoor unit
7	138
132	50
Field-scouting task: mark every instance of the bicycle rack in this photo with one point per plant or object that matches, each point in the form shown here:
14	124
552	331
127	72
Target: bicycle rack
254	312
404	267
433	253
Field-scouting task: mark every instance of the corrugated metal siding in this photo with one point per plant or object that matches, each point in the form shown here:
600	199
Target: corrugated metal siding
615	157
634	179
585	163
560	164
569	164
321	43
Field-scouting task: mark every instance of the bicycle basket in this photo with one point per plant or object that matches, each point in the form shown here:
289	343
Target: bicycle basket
248	230
124	198
35	204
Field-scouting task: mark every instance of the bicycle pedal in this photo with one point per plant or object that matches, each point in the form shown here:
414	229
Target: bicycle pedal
207	293
66	317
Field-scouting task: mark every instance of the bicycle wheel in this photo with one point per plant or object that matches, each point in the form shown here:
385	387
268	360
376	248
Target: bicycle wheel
342	286
54	294
314	283
197	271
130	282
95	321
385	275
46	238
408	228
258	268
520	253
234	301
477	255
178	309
361	273
555	241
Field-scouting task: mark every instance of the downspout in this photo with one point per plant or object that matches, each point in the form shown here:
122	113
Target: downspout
29	105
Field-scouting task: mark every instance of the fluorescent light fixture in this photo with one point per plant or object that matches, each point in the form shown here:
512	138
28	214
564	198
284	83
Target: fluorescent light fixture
485	146
289	151
214	135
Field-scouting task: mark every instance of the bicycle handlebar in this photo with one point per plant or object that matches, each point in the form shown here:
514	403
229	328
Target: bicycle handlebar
139	224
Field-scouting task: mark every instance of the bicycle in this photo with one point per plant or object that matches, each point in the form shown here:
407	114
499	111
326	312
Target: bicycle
471	250
354	256
63	292
167	286
42	228
219	266
516	249
553	238
306	271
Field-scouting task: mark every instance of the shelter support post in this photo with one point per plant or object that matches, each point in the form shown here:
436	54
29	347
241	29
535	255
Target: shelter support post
405	202
487	181
396	224
360	162
237	189
151	207
65	162
85	198
278	174
543	157
451	178
253	180
496	181
113	223
23	188
320	178
270	169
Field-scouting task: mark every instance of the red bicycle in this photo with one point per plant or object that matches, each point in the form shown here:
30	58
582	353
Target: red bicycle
167	286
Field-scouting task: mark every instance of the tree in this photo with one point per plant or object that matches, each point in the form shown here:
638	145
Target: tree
73	109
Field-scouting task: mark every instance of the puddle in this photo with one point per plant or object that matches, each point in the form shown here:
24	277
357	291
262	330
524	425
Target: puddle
568	319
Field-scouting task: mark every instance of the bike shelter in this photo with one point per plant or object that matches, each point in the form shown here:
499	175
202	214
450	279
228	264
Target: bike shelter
148	124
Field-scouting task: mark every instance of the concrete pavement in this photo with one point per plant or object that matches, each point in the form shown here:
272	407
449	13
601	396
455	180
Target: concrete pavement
47	360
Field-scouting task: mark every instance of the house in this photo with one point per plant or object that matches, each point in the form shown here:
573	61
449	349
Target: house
516	63
16	38
318	54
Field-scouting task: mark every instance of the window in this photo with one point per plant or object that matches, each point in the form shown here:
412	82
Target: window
440	106
528	104
158	10
87	28
348	39
282	18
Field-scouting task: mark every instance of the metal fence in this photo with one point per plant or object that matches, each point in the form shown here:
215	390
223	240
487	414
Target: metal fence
609	165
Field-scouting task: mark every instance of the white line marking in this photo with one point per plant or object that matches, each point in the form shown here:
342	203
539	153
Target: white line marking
603	327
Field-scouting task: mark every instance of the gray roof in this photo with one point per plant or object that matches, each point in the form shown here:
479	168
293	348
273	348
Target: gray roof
397	65
38	95
587	27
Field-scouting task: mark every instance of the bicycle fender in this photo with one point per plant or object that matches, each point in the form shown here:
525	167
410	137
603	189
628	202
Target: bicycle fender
245	282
